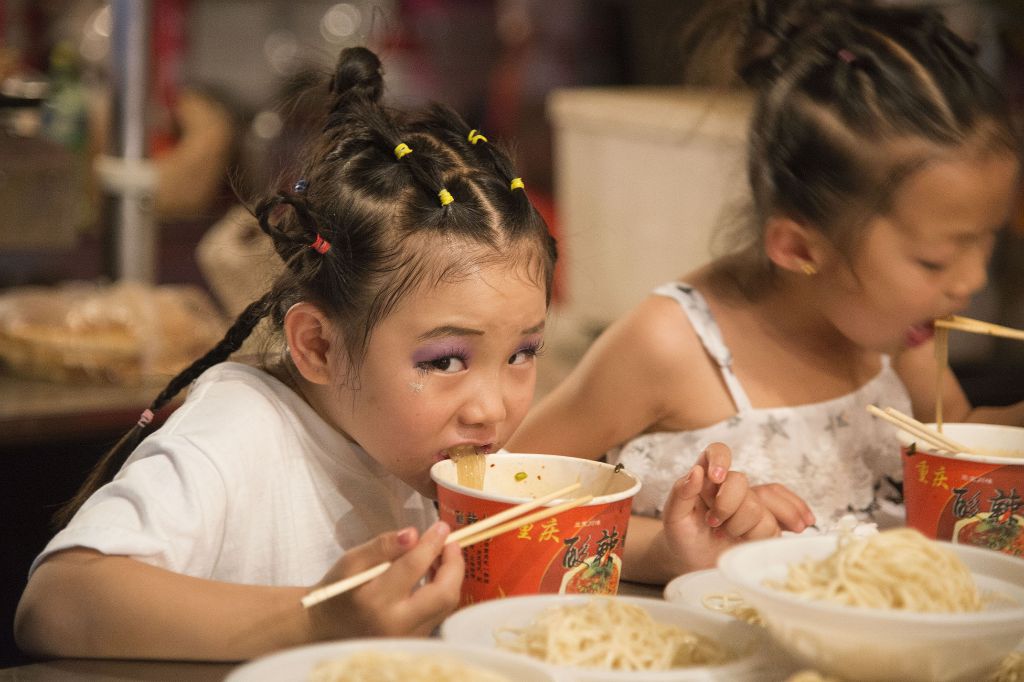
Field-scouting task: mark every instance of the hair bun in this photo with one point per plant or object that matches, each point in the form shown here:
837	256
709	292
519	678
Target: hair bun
771	28
357	75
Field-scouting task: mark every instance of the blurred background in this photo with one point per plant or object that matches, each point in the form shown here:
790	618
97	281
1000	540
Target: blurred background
130	130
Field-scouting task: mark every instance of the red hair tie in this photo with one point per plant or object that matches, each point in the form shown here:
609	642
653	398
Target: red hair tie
320	245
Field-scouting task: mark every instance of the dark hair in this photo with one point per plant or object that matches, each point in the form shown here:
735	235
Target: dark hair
386	218
852	99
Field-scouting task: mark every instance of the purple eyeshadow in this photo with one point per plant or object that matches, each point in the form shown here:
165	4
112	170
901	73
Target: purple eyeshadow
436	351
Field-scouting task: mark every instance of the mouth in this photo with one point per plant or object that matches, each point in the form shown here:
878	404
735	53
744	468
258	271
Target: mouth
463	449
919	333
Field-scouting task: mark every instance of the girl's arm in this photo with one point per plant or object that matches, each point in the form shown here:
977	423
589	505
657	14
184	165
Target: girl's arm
80	603
617	390
918	368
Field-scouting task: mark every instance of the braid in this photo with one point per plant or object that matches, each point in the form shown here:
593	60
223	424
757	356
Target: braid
114	458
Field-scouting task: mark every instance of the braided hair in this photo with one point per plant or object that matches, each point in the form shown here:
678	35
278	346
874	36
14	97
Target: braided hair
388	200
852	99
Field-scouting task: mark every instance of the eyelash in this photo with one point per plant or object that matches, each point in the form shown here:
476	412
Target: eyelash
433	364
932	267
532	350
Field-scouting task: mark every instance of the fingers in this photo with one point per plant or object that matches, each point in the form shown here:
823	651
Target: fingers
407	570
716	460
733	507
385	547
788	508
432	602
685	495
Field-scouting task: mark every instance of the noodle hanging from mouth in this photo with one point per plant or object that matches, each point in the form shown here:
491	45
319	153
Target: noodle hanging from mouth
470	466
610	634
895	569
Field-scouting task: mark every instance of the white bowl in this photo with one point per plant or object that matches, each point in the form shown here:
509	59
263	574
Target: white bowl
477	624
881	644
296	664
689	590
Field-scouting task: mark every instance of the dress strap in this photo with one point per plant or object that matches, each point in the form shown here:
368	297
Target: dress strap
696	309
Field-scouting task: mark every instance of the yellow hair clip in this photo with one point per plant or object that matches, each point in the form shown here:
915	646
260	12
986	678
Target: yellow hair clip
517	183
401	150
446	197
474	136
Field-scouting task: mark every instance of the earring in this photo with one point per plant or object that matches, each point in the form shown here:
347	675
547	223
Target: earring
808	269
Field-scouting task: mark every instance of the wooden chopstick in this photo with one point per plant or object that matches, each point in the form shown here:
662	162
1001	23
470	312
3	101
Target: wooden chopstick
966	324
465	536
539	515
916	428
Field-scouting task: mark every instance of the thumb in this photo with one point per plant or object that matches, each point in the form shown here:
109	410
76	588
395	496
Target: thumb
385	547
685	495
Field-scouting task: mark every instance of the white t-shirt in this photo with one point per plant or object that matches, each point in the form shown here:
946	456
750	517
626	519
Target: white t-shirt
244	483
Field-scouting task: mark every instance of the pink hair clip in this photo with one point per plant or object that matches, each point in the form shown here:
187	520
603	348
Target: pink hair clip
145	418
320	245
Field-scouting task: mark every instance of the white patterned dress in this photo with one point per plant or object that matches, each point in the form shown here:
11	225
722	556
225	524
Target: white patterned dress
833	454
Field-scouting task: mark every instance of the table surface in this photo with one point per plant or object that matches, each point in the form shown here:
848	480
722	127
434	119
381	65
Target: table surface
93	670
42	411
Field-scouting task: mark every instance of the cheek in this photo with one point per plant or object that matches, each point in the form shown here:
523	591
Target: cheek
519	402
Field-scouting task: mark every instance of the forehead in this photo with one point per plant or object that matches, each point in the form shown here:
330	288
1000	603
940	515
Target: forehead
958	197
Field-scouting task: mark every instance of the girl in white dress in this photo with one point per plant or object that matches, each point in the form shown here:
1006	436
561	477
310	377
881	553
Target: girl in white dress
882	163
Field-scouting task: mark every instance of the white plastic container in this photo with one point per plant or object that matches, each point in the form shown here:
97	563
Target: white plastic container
881	644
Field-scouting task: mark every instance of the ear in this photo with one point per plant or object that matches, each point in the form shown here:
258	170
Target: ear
793	246
309	342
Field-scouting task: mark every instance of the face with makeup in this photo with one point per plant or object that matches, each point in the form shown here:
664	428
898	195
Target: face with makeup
453	364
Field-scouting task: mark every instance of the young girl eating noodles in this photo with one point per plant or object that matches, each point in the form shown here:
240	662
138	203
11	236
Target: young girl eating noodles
882	162
410	312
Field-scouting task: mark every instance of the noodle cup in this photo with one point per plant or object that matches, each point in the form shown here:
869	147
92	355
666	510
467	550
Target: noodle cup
968	499
576	551
859	643
752	658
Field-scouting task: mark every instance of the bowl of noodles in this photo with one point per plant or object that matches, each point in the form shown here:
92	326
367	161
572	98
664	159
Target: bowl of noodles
397	658
891	606
616	638
578	550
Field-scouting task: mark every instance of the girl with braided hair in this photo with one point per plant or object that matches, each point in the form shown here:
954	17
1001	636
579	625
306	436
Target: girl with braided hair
882	162
412	305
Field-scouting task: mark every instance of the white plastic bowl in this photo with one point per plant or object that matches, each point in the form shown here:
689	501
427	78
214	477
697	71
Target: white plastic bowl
296	664
476	625
881	644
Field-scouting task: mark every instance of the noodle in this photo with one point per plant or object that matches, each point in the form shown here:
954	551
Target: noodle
732	604
378	666
470	466
609	634
1011	670
894	569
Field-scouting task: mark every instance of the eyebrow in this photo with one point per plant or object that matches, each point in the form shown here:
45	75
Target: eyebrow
452	330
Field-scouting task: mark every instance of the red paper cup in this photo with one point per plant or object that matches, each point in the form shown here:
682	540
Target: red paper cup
576	551
968	499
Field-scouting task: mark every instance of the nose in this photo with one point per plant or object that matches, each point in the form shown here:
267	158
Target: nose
485	403
969	278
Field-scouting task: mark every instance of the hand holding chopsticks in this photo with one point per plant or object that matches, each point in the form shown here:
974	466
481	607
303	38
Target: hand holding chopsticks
485	529
920	430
